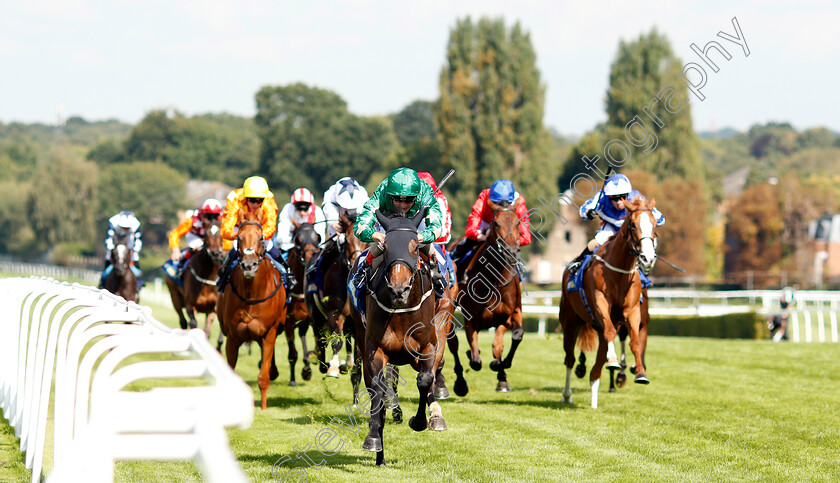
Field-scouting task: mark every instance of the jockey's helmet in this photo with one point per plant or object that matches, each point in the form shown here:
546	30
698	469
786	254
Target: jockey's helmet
210	206
126	220
255	187
617	184
351	195
403	182
502	190
302	195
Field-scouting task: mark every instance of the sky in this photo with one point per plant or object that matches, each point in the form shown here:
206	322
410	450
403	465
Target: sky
119	59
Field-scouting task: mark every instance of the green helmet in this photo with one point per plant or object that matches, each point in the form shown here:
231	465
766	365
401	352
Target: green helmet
403	182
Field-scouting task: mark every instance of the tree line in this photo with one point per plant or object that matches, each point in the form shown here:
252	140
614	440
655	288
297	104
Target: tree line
61	183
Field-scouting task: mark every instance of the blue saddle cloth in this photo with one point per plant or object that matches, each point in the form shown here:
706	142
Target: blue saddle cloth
170	268
356	286
576	282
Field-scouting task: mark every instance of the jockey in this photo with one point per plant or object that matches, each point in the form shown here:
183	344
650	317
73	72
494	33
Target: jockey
443	258
123	227
481	217
301	209
192	229
345	197
402	190
254	195
605	205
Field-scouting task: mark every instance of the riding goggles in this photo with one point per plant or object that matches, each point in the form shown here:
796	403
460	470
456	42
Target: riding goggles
618	197
254	200
403	199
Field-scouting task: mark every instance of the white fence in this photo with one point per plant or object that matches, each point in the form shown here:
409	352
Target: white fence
88	339
815	311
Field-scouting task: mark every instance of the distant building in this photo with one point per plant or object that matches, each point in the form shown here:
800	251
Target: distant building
562	242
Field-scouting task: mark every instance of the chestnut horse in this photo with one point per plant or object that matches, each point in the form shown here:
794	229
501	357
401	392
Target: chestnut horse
331	308
199	292
492	296
612	290
399	328
121	281
306	241
253	307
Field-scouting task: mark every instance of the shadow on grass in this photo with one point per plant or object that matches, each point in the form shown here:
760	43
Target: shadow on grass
344	460
283	401
540	403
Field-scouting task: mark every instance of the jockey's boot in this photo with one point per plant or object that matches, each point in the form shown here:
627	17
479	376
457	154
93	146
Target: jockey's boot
182	264
365	266
438	282
575	264
224	272
290	280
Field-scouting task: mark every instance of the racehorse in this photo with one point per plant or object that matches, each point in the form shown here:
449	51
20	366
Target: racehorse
399	328
492	296
610	295
330	308
306	246
253	306
121	281
199	292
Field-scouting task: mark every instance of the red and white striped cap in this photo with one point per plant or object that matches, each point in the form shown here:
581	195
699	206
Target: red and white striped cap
302	195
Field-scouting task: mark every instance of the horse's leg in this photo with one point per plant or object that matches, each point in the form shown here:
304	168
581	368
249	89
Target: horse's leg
633	318
396	410
306	372
208	323
472	340
376	362
498	347
580	370
335	343
191	316
569	322
345	330
602	313
425	379
220	341
461	387
621	378
436	421
444	330
595	373
289	330
177	301
264	379
515	336
232	352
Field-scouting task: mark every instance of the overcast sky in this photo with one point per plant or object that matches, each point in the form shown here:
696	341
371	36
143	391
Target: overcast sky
121	58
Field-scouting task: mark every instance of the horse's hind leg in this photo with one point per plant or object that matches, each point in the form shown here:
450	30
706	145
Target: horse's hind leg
392	393
208	323
595	373
621	378
461	388
373	441
473	354
306	372
191	315
289	330
633	318
515	336
580	370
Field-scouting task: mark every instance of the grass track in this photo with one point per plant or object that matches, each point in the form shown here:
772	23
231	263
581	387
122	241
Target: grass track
715	410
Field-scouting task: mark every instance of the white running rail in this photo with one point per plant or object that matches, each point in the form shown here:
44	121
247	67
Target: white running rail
88	338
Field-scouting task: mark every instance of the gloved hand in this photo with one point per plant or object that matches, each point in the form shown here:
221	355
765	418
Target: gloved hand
590	214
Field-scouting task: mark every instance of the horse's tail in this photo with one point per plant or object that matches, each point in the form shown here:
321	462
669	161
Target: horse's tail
587	338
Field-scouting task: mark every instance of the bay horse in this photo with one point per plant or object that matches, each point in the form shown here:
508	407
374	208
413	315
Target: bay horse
330	308
307	242
399	328
253	307
122	281
199	292
613	290
492	296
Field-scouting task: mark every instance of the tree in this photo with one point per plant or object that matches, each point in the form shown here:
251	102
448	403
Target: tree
64	214
491	112
308	138
152	190
415	122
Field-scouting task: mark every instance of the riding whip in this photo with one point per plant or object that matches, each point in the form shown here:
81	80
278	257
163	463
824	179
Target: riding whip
671	264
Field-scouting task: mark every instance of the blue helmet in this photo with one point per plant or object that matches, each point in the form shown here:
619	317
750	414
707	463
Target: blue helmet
502	190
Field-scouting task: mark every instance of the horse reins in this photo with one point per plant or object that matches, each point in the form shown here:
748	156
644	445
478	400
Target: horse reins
260	257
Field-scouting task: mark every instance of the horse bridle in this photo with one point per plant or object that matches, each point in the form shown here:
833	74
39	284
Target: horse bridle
261	257
250	251
633	243
504	249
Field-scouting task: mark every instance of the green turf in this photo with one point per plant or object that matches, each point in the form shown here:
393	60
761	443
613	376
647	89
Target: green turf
715	410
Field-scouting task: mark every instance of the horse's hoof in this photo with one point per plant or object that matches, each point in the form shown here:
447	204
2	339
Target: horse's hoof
273	373
397	414
342	368
567	400
623	364
293	383
372	444
496	365
612	389
580	371
641	379
323	368
461	388
632	369
441	393
332	372
621	379
503	386
184	324
613	364
306	373
418	426
437	423
193	325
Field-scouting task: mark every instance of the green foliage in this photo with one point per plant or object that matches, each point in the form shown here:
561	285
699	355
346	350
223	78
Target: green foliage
415	122
308	138
490	114
61	202
732	326
14	218
153	191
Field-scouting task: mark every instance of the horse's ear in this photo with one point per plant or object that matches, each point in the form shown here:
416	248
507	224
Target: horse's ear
382	219
493	205
418	217
412	247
